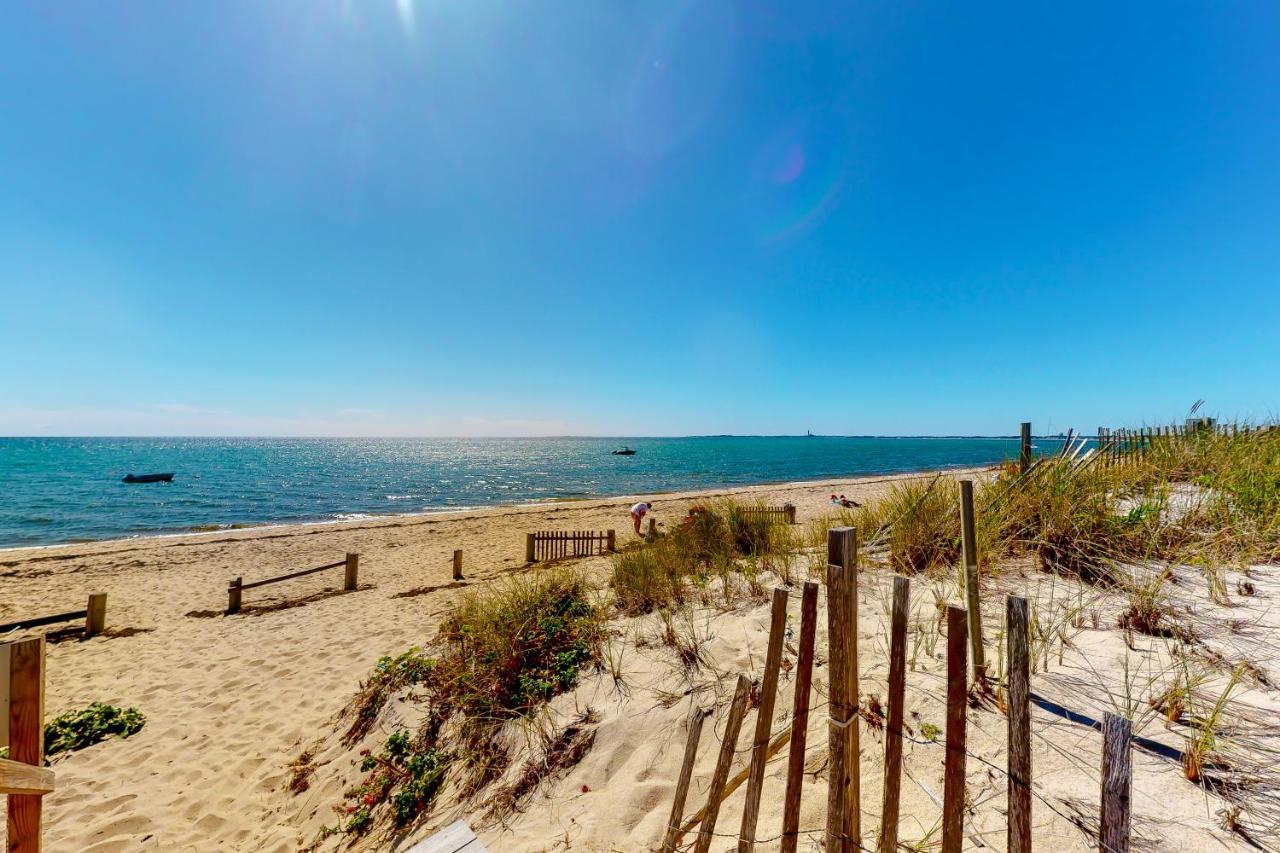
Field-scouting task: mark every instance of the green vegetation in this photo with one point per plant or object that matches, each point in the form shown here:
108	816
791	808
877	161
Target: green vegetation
78	729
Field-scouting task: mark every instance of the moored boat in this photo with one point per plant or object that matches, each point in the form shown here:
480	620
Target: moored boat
148	478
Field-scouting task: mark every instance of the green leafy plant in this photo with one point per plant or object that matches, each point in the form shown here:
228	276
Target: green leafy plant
78	729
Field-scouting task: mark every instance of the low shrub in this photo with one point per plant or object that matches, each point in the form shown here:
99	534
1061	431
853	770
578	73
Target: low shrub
78	729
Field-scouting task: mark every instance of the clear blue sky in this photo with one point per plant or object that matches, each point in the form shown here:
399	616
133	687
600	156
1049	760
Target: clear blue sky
459	217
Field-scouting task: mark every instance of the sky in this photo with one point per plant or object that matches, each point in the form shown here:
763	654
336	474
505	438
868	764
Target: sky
455	217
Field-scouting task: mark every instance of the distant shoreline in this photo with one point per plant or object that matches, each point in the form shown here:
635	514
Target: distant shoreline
375	520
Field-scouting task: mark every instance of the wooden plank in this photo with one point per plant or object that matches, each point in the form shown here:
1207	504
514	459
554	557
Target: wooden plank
1024	449
26	738
800	718
18	778
844	829
764	721
682	784
969	548
234	589
292	575
893	728
957	699
1019	719
530	542
727	749
457	564
41	621
1117	779
457	837
95	616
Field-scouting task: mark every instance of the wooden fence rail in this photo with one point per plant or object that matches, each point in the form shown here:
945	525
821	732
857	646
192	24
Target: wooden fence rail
94	616
236	586
547	545
781	514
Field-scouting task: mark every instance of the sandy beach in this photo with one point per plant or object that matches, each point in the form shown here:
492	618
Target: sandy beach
229	700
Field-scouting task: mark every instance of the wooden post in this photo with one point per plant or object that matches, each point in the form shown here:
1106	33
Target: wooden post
969	549
957	699
95	615
26	737
1019	710
528	547
893	728
1024	451
457	564
1117	776
350	577
682	784
653	530
611	540
721	775
844	828
800	718
764	721
233	595
791	513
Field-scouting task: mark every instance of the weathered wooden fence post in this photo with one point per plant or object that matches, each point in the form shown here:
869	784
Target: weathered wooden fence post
764	721
528	547
653	530
957	699
1117	777
350	577
800	718
611	540
844	828
969	549
233	595
1024	449
682	784
25	674
721	775
457	564
791	512
893	728
95	615
1019	710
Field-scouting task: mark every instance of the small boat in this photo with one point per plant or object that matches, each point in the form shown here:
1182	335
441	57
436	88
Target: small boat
626	451
148	478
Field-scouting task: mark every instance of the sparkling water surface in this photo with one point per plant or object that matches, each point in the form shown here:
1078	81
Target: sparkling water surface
69	489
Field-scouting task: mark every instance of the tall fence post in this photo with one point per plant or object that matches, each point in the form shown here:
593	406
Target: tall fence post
893	728
95	615
1117	778
528	547
1019	709
957	699
721	775
457	564
791	513
844	830
350	577
233	595
26	738
682	784
611	540
1024	449
800	718
969	549
764	721
653	530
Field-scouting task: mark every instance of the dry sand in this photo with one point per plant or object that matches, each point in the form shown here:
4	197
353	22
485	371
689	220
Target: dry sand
231	701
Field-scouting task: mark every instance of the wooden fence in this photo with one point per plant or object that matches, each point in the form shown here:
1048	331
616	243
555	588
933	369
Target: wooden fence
781	514
1127	444
23	778
558	544
94	616
843	827
349	582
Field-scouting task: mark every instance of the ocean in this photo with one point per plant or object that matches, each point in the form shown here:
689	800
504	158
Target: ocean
59	490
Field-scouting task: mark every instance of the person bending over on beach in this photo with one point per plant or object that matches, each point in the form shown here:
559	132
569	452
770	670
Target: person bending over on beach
637	514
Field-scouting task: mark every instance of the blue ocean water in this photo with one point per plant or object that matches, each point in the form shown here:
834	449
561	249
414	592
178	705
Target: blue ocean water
69	489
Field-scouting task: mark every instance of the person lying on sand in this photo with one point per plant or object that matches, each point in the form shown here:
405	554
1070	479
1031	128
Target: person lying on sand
637	514
835	501
848	504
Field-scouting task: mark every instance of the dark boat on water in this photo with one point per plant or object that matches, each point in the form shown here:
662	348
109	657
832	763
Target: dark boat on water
149	478
626	451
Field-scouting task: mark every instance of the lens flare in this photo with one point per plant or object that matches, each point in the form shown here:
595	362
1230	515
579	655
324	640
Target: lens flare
798	178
